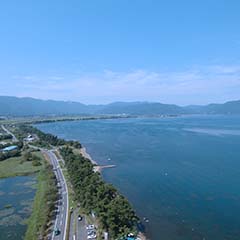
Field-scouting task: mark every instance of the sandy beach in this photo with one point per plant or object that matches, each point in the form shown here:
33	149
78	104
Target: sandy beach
84	152
96	168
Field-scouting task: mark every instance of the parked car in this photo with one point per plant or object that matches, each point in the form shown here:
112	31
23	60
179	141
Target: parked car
79	218
90	232
90	227
93	236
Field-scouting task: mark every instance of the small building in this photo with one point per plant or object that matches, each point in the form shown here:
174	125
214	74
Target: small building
9	148
29	138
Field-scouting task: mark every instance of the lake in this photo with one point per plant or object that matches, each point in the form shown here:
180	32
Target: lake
16	197
182	174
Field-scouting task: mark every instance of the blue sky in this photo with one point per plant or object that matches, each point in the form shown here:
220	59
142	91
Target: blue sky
100	51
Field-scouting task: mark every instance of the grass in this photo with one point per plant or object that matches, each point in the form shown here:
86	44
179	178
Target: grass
8	206
40	155
57	154
38	221
38	216
15	166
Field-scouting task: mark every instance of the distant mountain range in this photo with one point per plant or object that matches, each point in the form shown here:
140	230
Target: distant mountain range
14	106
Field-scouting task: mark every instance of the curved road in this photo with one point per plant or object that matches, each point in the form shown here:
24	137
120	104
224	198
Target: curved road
62	204
14	139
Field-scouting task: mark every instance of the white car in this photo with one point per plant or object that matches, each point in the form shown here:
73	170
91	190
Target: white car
90	227
90	232
93	236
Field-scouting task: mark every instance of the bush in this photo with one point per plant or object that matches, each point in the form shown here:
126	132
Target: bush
5	137
36	163
6	155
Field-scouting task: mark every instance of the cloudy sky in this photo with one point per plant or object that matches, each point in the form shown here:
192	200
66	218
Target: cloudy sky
100	51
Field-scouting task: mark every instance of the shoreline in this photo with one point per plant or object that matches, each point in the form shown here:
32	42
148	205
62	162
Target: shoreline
98	168
85	154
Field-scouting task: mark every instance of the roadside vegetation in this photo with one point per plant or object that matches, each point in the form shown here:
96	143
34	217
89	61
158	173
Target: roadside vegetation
44	139
48	119
44	204
5	137
112	209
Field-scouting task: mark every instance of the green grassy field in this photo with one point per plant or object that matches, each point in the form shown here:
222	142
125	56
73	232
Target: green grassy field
16	167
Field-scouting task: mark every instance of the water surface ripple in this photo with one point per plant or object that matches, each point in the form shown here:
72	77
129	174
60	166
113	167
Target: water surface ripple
183	173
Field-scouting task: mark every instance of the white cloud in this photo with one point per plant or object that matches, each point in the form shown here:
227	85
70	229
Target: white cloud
226	69
197	85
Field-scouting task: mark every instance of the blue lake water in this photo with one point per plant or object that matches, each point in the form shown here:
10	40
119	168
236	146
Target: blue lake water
183	173
16	197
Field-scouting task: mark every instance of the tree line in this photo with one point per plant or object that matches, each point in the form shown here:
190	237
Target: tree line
112	209
5	137
9	154
44	139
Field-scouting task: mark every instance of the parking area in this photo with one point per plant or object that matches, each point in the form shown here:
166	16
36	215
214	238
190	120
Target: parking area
79	229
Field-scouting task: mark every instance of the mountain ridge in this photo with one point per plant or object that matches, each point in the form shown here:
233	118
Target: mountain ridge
27	106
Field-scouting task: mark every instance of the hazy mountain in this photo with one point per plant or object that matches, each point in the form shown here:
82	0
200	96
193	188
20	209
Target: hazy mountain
232	107
13	106
30	106
142	108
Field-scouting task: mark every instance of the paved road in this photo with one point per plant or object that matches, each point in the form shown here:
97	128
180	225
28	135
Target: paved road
14	139
81	232
62	207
